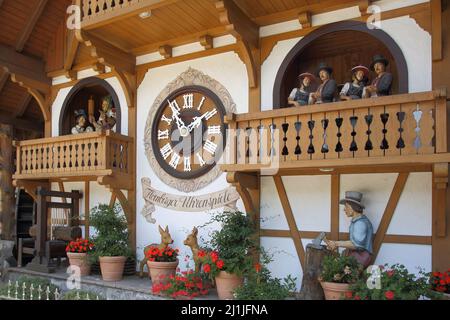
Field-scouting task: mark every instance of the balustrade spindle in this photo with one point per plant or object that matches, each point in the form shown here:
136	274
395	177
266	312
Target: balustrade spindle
384	143
298	127
285	127
400	143
353	145
339	122
311	125
325	148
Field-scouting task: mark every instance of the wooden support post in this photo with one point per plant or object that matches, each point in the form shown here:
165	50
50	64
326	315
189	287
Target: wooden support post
295	235
335	193
6	186
75	208
87	208
440	182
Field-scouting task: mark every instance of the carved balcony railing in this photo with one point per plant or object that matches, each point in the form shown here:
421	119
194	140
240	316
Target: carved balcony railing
386	130
90	156
97	11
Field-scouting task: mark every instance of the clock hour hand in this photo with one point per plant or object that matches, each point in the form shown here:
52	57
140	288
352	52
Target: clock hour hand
176	116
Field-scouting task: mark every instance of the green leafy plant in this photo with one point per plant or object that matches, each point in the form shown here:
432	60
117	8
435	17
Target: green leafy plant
234	242
260	285
28	281
340	269
81	295
395	283
111	239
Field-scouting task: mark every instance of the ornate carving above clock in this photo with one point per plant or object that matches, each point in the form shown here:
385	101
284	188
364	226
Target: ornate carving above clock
185	131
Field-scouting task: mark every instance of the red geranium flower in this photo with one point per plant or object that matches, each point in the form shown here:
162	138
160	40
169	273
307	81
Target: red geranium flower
207	268
201	254
389	295
258	268
390	273
214	256
220	264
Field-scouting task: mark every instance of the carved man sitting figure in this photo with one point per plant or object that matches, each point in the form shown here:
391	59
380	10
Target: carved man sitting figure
107	118
381	85
327	90
82	123
354	90
300	96
361	231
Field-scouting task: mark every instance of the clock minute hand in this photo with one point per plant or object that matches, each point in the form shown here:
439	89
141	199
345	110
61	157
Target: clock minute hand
175	115
197	121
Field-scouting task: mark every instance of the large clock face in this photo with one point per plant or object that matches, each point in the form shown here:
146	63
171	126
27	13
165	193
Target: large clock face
188	133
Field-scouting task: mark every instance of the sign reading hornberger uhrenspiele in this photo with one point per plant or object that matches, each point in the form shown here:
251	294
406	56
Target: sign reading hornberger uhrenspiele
225	198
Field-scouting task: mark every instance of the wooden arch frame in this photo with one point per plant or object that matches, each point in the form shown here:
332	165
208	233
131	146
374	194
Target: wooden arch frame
382	36
81	85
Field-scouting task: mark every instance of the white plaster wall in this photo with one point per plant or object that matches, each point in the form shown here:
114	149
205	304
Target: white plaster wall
62	94
227	69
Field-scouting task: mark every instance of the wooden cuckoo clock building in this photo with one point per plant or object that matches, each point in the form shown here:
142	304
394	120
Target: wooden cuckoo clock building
139	71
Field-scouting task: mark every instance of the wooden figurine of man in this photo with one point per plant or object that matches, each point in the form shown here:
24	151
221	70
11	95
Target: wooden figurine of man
381	85
327	90
361	230
300	96
107	118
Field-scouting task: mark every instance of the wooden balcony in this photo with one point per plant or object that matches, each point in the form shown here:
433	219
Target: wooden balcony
104	157
96	12
400	130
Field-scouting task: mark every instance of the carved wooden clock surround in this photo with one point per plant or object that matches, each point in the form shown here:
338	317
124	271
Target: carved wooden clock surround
192	102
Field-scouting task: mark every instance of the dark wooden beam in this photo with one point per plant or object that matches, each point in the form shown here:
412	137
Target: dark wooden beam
36	11
24	124
3	78
24	67
23	105
1	2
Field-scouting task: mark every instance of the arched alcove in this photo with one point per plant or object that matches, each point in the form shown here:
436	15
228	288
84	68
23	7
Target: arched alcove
341	45
78	99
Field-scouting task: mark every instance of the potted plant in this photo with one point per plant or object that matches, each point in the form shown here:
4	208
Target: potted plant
185	285
394	283
338	272
77	252
440	282
232	252
111	240
161	263
260	285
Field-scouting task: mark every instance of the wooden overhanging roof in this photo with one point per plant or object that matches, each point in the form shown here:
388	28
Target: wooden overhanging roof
28	28
35	44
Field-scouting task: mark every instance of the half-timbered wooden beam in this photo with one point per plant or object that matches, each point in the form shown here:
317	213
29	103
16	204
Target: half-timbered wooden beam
389	213
35	12
293	229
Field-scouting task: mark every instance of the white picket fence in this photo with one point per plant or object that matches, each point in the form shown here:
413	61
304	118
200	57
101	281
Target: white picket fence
29	292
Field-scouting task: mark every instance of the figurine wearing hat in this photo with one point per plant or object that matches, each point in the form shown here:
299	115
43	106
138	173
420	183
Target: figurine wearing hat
107	118
327	90
354	90
82	122
381	85
300	96
361	230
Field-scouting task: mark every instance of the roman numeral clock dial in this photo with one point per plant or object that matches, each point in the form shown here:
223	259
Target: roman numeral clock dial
188	133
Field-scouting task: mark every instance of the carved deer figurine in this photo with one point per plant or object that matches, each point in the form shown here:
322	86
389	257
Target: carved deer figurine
192	242
166	239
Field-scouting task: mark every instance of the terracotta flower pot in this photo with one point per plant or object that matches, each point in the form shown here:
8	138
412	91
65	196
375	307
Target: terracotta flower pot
112	268
160	271
335	291
80	260
226	283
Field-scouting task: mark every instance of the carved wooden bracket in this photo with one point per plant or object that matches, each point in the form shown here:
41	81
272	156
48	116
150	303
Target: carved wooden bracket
305	19
206	41
248	187
107	54
165	51
440	183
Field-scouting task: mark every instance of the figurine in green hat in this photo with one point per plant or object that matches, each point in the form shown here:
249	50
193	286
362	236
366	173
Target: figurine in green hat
107	118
